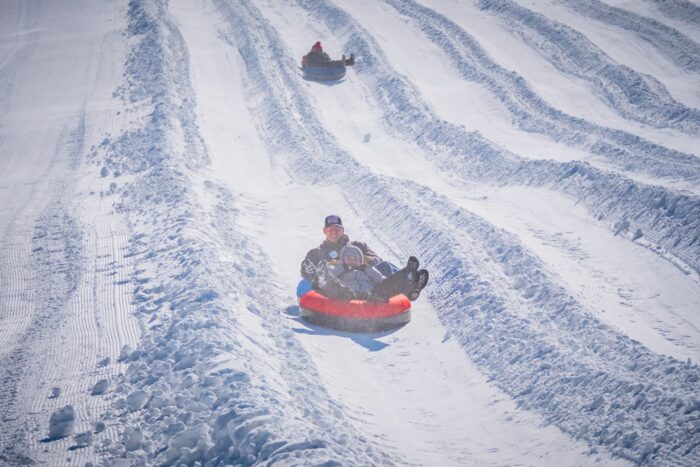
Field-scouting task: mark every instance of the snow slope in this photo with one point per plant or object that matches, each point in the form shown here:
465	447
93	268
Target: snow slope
164	167
63	307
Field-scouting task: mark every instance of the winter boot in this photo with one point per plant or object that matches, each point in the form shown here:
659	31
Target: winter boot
423	277
411	270
421	282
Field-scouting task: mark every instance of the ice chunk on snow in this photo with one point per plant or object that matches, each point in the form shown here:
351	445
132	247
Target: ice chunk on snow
124	354
136	400
100	427
189	380
100	387
186	439
61	422
134	440
83	439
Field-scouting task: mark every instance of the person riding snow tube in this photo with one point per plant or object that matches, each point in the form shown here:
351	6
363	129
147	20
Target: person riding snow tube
317	65
353	295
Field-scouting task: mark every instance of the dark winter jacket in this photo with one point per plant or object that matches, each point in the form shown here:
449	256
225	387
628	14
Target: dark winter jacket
331	251
314	58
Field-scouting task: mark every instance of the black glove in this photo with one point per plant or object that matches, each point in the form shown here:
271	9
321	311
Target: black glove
308	270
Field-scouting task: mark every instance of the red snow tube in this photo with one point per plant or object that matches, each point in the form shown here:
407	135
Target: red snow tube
355	315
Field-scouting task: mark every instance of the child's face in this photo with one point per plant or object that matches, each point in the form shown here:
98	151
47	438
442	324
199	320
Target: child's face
352	261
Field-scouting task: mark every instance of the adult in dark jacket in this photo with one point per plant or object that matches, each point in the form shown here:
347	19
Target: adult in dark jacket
335	240
316	56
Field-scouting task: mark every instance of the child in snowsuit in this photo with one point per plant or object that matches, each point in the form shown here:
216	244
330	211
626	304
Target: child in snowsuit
350	278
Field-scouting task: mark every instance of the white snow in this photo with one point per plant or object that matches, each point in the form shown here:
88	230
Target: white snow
164	167
633	50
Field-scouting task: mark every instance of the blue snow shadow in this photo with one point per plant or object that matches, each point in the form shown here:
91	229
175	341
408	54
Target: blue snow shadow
324	82
367	340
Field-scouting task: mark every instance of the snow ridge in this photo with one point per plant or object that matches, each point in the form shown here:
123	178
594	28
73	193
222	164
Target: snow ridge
512	346
679	9
635	96
667	219
682	50
194	391
531	113
504	308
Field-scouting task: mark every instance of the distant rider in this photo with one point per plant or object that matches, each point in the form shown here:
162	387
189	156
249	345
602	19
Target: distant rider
316	56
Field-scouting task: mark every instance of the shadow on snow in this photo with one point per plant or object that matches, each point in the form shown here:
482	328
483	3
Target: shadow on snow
367	340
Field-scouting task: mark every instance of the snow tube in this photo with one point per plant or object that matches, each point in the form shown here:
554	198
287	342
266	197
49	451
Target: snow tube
324	73
355	315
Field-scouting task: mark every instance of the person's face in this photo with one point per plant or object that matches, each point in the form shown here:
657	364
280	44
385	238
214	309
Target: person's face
333	233
352	261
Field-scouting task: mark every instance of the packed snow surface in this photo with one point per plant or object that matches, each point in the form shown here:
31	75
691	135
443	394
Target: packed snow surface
164	167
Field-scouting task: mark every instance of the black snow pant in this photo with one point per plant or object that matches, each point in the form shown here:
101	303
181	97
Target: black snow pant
399	282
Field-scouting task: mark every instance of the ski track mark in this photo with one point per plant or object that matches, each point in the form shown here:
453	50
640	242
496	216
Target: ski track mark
21	50
635	96
678	9
680	49
54	269
111	293
16	302
53	359
530	112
